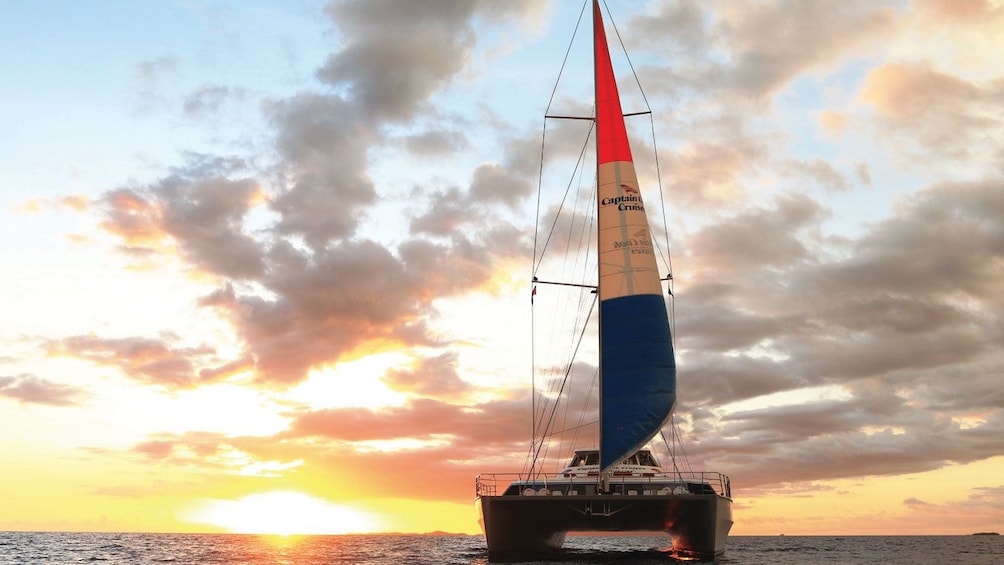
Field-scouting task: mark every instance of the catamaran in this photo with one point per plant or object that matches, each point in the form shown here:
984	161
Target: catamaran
619	487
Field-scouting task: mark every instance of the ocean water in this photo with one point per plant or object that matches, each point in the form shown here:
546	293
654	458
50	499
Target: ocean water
58	548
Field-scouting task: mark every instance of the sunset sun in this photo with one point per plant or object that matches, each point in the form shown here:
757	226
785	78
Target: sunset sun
285	513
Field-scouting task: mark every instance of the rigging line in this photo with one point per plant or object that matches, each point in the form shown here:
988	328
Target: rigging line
573	428
655	148
568	372
589	286
658	171
568	51
571	181
677	440
541	412
585	405
540	183
671	449
554	390
662	197
533	383
550	100
533	319
620	40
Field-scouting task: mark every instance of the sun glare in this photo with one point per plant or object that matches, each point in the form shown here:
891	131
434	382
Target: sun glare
355	383
284	513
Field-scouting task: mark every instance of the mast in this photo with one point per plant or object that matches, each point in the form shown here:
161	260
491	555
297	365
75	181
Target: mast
597	32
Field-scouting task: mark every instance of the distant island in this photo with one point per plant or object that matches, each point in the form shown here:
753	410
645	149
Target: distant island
986	534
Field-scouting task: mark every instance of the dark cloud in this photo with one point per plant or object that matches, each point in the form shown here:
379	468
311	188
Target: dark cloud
396	55
759	238
681	24
750	52
763	38
494	182
29	389
905	318
206	217
445	215
324	144
436	143
830	440
195	208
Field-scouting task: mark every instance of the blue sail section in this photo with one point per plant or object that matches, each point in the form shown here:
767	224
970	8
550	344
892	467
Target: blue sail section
639	374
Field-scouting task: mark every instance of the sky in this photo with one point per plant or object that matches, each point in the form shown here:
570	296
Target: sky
265	264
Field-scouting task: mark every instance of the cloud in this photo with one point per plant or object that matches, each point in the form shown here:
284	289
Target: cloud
393	55
29	389
823	441
150	76
434	377
832	122
420	419
75	202
681	24
905	318
709	174
762	39
436	143
152	69
324	143
146	360
208	99
932	110
759	237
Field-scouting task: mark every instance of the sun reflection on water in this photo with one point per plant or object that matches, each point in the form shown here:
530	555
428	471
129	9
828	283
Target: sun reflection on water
285	516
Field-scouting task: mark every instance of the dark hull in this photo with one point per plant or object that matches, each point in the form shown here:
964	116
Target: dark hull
527	525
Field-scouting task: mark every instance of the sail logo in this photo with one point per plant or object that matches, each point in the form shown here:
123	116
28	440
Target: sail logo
639	245
631	200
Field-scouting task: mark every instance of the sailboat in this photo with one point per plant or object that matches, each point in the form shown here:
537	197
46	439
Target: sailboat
619	487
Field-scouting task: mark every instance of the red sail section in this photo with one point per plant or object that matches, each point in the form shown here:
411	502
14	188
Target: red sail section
611	136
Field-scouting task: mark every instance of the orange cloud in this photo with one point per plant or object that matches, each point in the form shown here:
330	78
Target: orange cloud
903	91
132	217
831	122
75	202
959	10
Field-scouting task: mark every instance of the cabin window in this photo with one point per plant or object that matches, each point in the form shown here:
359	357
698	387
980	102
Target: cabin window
585	458
645	458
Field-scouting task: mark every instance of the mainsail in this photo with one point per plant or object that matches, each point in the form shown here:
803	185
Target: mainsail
637	365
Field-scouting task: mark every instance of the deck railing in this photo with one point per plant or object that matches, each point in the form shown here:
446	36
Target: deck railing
494	484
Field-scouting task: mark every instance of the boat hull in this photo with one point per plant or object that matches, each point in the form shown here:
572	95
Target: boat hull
527	525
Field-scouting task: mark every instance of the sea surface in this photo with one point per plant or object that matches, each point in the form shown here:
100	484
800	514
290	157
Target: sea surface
104	548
